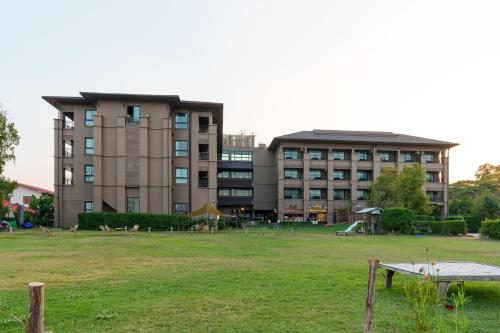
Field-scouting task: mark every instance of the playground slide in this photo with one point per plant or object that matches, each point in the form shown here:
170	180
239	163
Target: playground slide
351	228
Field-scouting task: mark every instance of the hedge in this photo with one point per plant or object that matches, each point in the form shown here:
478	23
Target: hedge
424	218
397	220
473	223
454	218
91	221
491	228
443	228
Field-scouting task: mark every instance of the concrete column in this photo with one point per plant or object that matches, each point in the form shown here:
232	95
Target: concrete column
281	194
354	179
167	166
144	164
329	187
98	167
120	165
306	182
376	164
58	172
445	160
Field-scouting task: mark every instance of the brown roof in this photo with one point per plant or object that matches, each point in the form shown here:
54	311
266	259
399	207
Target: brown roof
336	136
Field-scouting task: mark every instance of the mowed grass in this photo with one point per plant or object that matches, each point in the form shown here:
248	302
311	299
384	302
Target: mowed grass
305	281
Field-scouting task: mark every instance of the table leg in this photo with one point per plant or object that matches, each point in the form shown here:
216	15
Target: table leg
443	288
388	278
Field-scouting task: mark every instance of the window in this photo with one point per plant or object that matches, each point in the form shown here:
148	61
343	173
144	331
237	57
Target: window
132	205
407	157
133	114
364	175
181	175
202	178
181	120
386	156
89	146
341	194
224	192
181	148
340	155
241	175
317	193
27	199
293	193
68	120
433	195
316	174
235	192
88	206
316	154
89	173
68	176
293	174
431	157
181	208
362	155
362	194
203	124
203	153
432	177
340	174
68	148
224	174
291	154
89	117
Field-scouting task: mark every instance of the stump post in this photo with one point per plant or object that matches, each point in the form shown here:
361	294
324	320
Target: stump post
370	295
149	229
36	307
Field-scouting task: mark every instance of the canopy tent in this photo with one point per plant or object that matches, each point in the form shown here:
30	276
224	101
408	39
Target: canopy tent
207	210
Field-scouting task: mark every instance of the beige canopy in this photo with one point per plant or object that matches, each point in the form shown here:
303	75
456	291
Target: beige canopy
207	209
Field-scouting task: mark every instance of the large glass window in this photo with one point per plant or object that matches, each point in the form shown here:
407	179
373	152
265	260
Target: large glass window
339	174
235	174
89	146
181	148
235	192
88	206
181	175
181	120
133	205
341	194
386	156
89	173
291	154
316	174
89	117
362	194
364	175
407	156
181	208
133	114
317	193
432	157
224	174
230	155
362	155
432	177
340	155
224	192
293	193
293	174
316	154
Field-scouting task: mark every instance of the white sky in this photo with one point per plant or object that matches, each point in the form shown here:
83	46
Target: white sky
425	68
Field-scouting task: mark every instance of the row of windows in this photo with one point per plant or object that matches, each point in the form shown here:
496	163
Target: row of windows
338	174
229	155
235	192
320	194
235	175
360	155
133	206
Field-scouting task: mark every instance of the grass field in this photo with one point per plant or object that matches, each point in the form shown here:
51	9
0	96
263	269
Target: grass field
305	281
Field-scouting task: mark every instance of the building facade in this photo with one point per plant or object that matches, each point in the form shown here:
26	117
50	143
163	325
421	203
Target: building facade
325	175
134	153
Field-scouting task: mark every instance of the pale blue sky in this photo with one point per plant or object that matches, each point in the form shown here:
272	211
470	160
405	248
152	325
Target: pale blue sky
425	68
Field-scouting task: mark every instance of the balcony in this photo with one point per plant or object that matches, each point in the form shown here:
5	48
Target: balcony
235	165
235	201
231	182
132	121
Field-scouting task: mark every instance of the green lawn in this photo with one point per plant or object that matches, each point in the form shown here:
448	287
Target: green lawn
305	281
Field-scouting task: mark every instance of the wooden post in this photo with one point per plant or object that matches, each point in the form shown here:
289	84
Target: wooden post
370	295
36	307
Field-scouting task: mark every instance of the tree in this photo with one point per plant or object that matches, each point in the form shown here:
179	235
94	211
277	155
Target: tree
487	205
488	177
394	189
44	209
383	189
9	139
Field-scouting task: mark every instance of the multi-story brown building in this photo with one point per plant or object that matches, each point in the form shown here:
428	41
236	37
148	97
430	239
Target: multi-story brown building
160	154
134	153
323	174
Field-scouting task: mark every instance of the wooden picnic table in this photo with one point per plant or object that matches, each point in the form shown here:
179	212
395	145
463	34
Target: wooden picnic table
443	273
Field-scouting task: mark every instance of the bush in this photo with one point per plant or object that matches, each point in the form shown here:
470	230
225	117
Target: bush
91	221
221	225
473	223
443	228
397	220
424	218
491	228
454	218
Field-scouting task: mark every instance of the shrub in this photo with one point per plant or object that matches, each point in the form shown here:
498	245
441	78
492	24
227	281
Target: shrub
491	228
91	221
473	222
424	218
397	220
454	218
221	225
443	228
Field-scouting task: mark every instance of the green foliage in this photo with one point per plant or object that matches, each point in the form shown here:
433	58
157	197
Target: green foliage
9	139
6	189
487	205
92	221
454	218
44	209
397	220
222	224
442	228
424	218
393	189
473	222
491	228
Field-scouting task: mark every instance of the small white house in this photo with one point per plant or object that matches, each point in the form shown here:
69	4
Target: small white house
23	193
